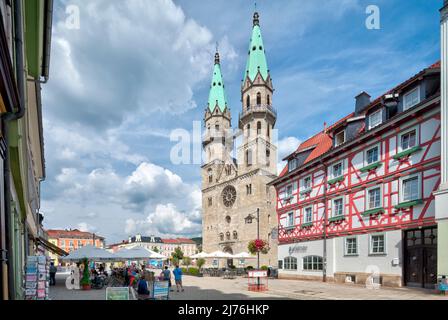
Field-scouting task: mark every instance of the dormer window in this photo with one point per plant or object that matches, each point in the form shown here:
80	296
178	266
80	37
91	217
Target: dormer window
375	119
411	98
292	164
339	138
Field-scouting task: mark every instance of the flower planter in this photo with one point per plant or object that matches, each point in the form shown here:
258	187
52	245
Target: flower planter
86	287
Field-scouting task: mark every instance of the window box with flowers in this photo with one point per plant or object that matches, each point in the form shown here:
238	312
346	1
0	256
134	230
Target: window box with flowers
371	167
407	153
337	219
373	212
336	180
306	225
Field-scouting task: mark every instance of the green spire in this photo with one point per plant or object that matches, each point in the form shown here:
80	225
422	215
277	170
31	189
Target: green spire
217	93
257	58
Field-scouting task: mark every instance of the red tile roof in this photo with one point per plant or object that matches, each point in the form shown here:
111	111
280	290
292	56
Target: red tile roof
179	241
322	142
72	234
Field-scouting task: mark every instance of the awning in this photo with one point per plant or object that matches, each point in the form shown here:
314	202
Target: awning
51	247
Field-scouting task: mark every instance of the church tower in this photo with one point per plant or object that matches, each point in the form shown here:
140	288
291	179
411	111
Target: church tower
258	117
238	205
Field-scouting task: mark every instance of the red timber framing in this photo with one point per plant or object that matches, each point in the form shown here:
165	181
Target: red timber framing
354	184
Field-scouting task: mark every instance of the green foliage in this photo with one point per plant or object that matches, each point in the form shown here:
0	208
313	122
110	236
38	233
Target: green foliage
264	268
85	280
177	254
186	261
250	268
193	271
155	249
200	263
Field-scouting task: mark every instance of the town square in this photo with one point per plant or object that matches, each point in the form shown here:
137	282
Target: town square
182	150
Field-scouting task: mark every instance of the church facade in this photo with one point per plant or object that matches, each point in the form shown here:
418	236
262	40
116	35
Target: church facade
238	205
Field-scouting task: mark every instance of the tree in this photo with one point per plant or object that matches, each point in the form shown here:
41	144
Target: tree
155	249
85	281
177	254
186	261
200	263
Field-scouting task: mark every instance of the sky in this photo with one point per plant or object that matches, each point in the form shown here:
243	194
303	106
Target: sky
125	75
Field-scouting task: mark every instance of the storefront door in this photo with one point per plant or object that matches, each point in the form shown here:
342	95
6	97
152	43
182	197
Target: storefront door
420	257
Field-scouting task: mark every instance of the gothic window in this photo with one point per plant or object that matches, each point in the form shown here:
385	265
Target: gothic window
258	128
248	102
228	235
269	131
210	175
228	219
248	157
235	235
228	170
210	202
221	236
229	196
217	127
249	189
258	98
268	98
248	130
268	157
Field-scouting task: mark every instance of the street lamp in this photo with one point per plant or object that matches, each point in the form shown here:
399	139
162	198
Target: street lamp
248	220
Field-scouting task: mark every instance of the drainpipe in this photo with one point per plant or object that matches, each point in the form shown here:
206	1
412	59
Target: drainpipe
20	77
324	270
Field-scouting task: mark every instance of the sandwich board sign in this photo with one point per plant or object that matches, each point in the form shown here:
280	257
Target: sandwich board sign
117	293
160	290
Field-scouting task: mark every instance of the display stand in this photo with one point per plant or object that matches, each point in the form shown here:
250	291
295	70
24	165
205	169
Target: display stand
160	290
37	278
258	281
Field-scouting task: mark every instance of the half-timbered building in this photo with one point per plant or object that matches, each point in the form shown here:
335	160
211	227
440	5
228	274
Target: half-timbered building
357	199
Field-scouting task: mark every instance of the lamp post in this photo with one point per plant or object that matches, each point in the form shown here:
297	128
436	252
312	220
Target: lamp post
249	219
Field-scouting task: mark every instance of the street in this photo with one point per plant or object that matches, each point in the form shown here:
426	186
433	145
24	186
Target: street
197	288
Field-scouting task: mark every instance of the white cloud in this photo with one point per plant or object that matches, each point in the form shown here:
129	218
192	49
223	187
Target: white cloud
85	227
286	146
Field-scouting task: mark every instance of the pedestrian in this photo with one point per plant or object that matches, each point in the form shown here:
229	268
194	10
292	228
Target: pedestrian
167	276
178	278
53	271
126	277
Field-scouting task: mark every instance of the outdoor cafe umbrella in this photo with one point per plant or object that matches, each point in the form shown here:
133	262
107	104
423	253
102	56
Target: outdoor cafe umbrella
138	253
200	255
91	253
219	255
244	255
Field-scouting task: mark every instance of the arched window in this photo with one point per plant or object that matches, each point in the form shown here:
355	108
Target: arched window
268	98
235	235
228	235
248	102
217	126
248	130
268	157
290	263
258	128
313	263
210	175
269	131
258	98
221	236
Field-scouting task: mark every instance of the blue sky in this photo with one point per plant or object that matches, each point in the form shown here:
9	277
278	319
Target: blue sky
136	70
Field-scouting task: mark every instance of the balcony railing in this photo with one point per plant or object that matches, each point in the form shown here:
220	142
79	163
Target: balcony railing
258	108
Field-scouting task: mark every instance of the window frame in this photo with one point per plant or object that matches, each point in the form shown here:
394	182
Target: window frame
380	111
407	94
287	265
367	199
313	264
401	134
287	194
288	220
305	220
346	253
376	146
419	185
304	185
333	206
342	169
371	253
336	144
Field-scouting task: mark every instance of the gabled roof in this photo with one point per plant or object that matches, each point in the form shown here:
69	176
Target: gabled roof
73	234
322	142
256	61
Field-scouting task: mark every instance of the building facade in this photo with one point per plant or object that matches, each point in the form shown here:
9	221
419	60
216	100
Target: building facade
25	42
163	246
357	199
70	240
442	193
234	190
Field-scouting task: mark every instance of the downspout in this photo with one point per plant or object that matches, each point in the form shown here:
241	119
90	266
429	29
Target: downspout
20	77
324	270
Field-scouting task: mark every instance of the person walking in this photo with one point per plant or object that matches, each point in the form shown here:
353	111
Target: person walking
167	276
53	271
178	278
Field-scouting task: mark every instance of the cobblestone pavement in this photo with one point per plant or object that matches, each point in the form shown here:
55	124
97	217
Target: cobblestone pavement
236	289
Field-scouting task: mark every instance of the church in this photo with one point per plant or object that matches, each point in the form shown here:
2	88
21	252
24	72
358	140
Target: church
237	203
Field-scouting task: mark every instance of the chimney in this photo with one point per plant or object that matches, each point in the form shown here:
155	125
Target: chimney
362	101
